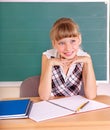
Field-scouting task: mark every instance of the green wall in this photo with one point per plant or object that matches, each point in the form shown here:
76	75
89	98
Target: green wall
24	35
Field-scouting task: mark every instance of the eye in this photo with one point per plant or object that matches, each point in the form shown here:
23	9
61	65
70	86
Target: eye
61	43
73	41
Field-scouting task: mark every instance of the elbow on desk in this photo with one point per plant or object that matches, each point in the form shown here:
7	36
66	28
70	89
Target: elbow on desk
44	97
91	94
91	97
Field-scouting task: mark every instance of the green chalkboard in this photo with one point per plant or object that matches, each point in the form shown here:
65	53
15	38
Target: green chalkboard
24	35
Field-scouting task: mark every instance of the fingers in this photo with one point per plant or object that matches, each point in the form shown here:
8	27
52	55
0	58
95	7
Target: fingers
68	62
80	59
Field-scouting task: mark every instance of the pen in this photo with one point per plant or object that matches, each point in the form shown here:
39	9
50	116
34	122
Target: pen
82	106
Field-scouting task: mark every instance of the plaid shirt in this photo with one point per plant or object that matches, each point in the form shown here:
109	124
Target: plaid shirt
69	87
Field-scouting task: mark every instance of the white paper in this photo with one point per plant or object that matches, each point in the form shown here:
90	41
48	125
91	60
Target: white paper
75	101
44	110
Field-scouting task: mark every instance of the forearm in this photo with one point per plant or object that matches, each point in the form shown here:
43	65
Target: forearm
45	83
89	80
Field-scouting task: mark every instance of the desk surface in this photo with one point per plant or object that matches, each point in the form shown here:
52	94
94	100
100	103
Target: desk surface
99	119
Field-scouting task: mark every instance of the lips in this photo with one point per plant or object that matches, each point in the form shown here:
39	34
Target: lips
68	53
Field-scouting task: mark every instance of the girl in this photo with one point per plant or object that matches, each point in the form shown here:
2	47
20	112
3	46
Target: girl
66	67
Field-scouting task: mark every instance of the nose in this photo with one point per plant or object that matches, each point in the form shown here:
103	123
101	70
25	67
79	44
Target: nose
68	47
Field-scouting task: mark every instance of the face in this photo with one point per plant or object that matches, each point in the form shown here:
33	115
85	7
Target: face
67	47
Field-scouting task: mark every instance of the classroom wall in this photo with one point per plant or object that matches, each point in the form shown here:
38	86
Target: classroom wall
9	92
12	92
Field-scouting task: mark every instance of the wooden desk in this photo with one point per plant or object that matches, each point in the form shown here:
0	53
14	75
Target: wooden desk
94	120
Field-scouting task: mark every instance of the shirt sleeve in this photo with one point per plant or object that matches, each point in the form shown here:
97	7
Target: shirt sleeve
50	53
82	53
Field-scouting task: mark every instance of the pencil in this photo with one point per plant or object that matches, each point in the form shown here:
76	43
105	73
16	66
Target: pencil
82	106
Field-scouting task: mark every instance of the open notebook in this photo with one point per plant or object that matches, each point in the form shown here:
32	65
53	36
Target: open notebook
44	110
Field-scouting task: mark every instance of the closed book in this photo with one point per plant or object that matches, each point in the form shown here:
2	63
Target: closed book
14	108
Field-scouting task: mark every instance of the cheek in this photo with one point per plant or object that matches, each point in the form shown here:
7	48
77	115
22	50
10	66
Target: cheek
76	47
60	50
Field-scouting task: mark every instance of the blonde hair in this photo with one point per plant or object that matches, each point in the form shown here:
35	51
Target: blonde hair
64	27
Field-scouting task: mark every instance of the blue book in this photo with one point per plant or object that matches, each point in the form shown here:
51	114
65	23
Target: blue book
14	108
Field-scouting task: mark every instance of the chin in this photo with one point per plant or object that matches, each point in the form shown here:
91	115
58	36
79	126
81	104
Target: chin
68	57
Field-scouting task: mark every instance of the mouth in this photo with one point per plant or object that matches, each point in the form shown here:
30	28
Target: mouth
68	54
